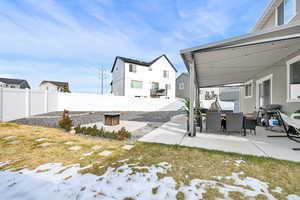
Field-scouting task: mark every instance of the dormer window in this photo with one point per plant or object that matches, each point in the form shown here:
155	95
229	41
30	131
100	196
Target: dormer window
286	11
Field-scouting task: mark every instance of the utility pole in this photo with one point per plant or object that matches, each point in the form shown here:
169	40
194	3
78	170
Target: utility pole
102	79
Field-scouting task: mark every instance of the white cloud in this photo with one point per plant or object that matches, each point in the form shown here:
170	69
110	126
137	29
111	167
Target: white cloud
52	41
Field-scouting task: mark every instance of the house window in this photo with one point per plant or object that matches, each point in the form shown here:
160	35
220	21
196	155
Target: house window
286	11
136	84
155	85
181	86
294	80
132	68
168	86
166	74
248	89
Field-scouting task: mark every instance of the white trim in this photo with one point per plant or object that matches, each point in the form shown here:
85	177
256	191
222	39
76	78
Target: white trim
276	16
292	17
288	65
247	83
265	78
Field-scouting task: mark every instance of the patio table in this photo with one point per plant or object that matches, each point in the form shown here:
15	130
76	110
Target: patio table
249	121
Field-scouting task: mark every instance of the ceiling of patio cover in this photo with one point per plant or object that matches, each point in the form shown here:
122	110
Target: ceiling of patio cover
238	59
238	63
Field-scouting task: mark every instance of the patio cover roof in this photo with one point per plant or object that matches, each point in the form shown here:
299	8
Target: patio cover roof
238	59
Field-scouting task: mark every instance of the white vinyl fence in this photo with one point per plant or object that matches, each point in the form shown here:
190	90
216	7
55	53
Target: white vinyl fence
19	103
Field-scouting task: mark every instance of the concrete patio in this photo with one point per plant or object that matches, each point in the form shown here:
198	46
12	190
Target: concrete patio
174	132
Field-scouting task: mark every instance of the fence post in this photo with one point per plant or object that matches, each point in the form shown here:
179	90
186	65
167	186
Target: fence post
27	102
1	105
46	101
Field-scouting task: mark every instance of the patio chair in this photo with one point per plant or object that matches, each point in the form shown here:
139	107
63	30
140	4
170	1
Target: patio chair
213	121
234	122
288	125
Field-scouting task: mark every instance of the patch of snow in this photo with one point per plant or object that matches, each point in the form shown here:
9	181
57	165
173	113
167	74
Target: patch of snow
105	153
239	162
14	142
120	161
75	148
128	147
118	183
68	143
277	190
293	197
87	154
46	144
2	164
96	147
9	137
41	139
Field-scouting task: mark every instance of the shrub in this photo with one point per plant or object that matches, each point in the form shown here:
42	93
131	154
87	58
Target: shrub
122	134
66	123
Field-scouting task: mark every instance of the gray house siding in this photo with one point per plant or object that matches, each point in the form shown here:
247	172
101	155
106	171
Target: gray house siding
183	78
279	88
271	22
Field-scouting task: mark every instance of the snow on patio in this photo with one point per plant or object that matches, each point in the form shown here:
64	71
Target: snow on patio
54	181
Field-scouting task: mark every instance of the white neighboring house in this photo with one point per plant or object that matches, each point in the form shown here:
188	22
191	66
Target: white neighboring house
14	83
54	86
136	78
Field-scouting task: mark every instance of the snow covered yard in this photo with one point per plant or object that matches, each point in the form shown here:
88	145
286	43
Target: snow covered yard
47	163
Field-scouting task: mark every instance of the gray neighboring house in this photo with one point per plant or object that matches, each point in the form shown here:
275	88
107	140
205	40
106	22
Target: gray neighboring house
267	61
182	85
14	83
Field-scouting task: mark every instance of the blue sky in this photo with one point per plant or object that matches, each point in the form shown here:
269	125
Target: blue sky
68	40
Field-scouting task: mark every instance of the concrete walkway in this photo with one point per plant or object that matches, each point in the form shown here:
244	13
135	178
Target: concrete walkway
174	132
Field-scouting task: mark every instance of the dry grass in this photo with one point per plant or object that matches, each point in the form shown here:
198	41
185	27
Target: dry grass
187	163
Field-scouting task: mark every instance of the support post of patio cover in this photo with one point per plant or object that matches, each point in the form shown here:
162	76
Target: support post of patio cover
192	98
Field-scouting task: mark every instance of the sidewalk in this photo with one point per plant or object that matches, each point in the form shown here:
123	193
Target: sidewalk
174	132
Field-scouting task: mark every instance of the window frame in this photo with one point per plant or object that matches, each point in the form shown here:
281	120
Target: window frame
136	87
181	85
250	82
132	65
167	73
293	14
288	92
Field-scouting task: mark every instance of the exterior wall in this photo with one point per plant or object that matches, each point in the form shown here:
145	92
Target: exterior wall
147	77
118	77
271	22
4	85
279	89
48	86
181	93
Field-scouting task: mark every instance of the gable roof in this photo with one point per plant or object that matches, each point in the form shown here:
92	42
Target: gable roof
23	83
57	83
183	74
139	62
266	15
